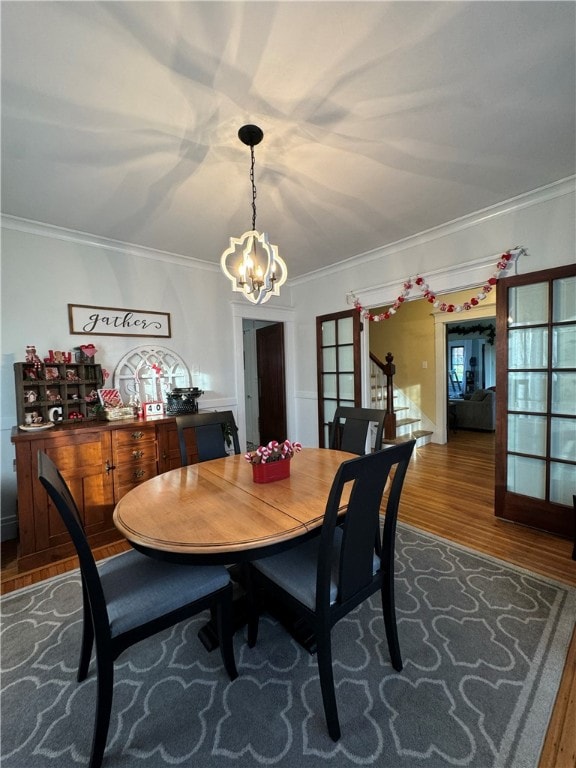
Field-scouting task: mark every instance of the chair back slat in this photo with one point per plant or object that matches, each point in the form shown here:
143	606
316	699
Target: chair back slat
210	442
360	534
350	426
211	432
360	530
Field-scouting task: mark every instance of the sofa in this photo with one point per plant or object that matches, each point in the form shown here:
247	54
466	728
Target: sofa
475	411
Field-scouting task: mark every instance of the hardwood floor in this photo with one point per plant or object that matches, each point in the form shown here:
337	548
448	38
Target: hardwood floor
449	491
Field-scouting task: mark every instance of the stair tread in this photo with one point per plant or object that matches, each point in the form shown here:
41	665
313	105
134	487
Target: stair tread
396	410
415	435
404	422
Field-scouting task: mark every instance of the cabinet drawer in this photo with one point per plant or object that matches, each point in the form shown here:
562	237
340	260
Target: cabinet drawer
134	436
140	452
126	477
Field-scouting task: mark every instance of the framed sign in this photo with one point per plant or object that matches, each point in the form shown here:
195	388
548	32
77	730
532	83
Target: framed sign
110	321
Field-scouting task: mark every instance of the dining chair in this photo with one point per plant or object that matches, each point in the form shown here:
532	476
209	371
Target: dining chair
349	429
326	577
214	432
131	597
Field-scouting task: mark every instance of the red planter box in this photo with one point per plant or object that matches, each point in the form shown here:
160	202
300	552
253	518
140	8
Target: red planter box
267	473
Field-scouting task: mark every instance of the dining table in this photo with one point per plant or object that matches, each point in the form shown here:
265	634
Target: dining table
214	513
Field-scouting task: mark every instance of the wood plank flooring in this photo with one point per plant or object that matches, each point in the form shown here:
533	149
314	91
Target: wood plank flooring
449	491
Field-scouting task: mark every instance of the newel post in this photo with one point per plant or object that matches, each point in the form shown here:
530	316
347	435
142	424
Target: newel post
390	418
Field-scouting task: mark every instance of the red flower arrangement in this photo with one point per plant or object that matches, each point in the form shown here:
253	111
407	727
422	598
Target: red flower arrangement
274	451
506	259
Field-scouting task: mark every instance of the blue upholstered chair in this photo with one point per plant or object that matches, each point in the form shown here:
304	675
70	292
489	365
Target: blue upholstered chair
349	429
326	577
130	597
213	432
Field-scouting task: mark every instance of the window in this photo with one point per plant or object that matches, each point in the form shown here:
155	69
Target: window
456	370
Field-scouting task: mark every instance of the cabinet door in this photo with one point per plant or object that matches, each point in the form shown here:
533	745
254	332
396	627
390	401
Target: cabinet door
83	459
536	399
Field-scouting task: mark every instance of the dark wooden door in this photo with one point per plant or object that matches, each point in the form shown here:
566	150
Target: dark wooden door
271	383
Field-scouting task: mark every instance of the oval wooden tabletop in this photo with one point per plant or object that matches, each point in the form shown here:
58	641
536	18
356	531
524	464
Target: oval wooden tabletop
216	508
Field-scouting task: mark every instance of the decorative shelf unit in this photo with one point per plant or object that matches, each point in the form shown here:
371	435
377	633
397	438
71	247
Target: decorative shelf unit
66	386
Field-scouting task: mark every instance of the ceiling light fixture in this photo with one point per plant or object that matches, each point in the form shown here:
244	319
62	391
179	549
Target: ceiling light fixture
260	271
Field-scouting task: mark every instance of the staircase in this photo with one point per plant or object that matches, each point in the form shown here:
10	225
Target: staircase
408	416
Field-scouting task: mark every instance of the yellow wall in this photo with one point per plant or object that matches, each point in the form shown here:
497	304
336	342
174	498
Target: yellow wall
409	336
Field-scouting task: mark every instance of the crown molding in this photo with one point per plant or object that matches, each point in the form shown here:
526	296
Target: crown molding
559	188
107	244
549	192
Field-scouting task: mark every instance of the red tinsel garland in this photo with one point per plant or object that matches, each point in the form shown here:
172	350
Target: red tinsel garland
503	264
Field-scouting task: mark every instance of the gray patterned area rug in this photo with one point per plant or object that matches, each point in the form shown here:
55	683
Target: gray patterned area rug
483	644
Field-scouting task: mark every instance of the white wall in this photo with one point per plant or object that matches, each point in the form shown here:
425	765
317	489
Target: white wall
452	257
42	273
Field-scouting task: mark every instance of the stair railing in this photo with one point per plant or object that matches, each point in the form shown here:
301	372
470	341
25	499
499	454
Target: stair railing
388	369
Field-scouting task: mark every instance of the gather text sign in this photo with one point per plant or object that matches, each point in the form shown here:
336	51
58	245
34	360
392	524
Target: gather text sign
111	321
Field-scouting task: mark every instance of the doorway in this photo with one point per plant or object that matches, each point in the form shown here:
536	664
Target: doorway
264	382
473	337
265	315
471	356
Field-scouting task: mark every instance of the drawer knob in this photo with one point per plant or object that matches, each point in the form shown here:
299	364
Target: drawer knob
137	454
137	435
139	474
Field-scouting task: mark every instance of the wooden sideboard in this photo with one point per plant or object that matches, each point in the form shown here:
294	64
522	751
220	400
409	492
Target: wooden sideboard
100	461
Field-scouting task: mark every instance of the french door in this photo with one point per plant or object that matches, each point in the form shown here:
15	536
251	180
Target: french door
338	366
536	399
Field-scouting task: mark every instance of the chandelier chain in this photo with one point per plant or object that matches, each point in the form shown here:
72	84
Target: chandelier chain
253	187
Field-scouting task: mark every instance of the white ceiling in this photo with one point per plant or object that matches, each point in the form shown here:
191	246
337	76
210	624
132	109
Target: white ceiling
381	119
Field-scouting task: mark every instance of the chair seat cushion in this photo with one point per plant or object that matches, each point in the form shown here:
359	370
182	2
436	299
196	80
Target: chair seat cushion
138	588
295	570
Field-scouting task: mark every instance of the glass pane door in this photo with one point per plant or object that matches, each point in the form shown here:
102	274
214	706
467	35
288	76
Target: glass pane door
338	358
536	399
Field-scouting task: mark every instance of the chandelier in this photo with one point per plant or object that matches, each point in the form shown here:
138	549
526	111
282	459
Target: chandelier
251	262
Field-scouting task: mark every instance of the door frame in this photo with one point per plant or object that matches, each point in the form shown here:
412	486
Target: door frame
468	274
441	321
285	315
